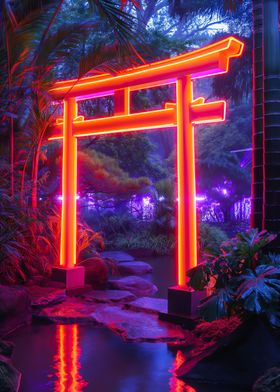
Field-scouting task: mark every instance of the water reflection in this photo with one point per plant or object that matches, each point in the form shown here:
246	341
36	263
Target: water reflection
66	361
82	358
175	384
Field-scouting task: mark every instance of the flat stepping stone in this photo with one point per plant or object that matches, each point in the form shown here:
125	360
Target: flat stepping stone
70	311
131	325
148	305
136	285
117	255
45	296
134	268
138	327
109	296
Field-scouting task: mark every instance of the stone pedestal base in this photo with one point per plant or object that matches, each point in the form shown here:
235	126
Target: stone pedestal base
73	278
183	306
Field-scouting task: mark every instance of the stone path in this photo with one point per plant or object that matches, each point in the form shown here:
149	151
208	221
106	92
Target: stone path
109	296
134	268
45	296
133	319
138	326
140	287
119	309
148	305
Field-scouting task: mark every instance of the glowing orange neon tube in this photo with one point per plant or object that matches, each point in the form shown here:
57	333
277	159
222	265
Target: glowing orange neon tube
210	60
69	187
200	113
184	114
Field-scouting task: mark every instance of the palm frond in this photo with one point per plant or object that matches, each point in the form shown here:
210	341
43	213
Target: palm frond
104	58
123	24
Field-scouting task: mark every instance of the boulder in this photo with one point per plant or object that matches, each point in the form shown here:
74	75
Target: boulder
134	268
15	308
96	272
136	285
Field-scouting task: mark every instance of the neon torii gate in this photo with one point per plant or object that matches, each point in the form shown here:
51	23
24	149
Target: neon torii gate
184	114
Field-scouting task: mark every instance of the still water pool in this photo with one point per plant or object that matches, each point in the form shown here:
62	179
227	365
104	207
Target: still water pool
76	358
84	358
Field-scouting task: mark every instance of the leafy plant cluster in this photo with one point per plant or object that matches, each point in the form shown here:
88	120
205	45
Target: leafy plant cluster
29	240
242	279
210	238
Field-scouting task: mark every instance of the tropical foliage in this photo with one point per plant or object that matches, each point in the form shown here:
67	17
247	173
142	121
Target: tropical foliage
242	279
37	46
29	242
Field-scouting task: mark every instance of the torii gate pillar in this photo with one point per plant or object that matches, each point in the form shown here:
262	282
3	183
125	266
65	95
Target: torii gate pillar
73	276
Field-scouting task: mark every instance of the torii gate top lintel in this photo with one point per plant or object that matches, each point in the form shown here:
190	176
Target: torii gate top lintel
184	114
210	60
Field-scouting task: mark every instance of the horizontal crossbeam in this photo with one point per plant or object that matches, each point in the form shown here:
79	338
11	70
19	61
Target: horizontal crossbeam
156	119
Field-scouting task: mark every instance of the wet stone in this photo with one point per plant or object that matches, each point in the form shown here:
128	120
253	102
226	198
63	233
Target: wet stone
134	268
148	305
136	285
116	255
70	311
109	296
137	327
45	296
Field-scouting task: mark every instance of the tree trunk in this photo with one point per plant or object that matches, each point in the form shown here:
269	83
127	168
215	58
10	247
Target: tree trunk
266	119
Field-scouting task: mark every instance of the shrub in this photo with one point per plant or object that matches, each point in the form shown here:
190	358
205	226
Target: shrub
159	244
29	240
243	279
210	238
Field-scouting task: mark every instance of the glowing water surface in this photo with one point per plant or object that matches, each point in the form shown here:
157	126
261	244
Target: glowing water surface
84	358
79	358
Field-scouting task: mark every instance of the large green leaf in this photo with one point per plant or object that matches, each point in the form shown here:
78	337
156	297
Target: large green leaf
216	305
199	276
259	288
273	315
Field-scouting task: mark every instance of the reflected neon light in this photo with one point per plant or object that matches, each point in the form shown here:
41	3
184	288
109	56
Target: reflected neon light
175	384
66	362
182	115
